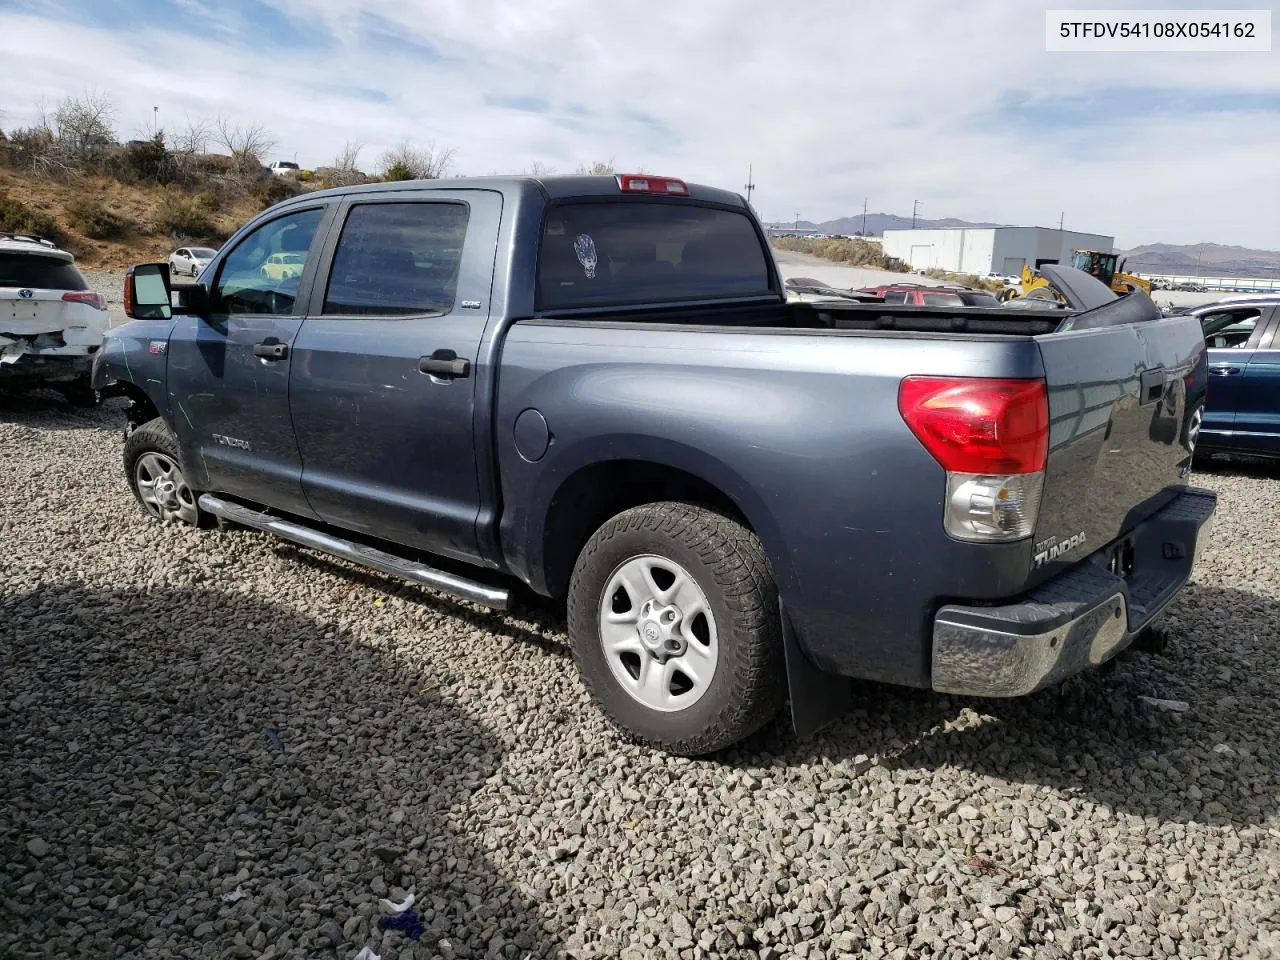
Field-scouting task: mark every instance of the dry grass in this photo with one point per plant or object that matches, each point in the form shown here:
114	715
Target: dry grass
965	280
151	213
857	252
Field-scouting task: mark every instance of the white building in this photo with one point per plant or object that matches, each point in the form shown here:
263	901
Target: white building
984	250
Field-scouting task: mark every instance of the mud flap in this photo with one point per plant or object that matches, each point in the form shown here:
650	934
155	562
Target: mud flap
817	698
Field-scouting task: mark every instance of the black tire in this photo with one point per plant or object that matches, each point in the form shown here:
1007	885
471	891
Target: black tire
729	566
155	436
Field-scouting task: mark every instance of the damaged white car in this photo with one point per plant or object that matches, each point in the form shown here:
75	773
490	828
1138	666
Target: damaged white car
51	323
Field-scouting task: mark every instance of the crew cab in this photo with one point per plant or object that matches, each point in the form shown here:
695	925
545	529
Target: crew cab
595	389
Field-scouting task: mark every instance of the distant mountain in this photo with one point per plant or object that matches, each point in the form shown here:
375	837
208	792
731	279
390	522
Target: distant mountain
1215	260
878	223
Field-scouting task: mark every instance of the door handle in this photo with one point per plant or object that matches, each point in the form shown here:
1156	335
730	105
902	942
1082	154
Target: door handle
1152	385
271	349
445	363
1223	371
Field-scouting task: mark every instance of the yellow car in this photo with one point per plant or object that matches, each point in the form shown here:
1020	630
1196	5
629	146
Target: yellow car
282	266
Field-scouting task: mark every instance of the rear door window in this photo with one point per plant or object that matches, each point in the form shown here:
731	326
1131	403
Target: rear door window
39	272
942	300
637	252
398	259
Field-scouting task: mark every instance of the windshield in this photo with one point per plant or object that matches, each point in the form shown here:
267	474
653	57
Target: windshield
205	253
35	270
647	251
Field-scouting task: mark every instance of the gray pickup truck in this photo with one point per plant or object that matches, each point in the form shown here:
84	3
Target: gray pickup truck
595	389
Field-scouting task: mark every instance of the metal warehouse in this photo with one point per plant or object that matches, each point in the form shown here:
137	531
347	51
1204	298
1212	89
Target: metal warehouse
984	250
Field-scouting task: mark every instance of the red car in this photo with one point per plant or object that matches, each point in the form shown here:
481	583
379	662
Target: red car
932	296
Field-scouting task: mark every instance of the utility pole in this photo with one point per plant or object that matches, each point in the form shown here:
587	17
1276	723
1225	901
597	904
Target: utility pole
797	221
914	205
155	120
750	185
864	216
1061	217
1199	254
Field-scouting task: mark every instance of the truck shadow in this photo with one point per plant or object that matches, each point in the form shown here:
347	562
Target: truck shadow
1093	737
538	626
165	747
45	409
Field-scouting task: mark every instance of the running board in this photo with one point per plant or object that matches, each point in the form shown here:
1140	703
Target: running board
358	553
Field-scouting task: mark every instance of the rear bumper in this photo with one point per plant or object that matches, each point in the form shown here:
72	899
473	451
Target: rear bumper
1075	621
46	368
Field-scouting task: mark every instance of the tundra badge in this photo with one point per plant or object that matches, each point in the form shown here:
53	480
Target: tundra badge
1051	549
231	442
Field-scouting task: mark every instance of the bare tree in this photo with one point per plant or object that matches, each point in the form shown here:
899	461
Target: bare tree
248	145
193	138
83	124
407	162
346	165
597	168
539	169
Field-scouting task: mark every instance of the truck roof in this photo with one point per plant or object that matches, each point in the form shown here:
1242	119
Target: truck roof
549	188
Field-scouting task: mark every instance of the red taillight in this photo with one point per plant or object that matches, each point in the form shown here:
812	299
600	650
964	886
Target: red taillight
643	183
95	300
979	426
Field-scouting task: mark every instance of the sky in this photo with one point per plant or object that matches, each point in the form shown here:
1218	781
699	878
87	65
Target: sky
955	105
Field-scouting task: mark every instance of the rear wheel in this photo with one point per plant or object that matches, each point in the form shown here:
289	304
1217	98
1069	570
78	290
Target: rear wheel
153	466
673	613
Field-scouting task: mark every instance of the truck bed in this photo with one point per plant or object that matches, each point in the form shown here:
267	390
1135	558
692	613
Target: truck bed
836	317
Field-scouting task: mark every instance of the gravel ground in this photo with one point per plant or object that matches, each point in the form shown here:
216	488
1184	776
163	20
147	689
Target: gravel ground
186	715
109	283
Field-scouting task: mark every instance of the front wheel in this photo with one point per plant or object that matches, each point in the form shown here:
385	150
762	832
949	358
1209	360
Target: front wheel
673	614
153	466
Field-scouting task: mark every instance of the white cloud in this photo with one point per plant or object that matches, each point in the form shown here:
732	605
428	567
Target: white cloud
830	101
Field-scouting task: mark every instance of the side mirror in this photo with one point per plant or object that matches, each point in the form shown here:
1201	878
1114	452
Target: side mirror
147	293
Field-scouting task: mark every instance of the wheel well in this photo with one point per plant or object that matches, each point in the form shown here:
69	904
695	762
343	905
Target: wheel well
141	410
594	494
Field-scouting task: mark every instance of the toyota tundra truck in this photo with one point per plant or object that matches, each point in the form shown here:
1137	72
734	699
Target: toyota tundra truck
595	390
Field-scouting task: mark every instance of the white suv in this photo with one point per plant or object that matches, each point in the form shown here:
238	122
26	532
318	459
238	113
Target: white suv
51	323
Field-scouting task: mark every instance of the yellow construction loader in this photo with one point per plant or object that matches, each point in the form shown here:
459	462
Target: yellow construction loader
1096	262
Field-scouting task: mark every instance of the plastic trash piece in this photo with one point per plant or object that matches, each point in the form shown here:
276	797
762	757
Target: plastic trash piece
408	923
392	907
367	954
1168	706
235	896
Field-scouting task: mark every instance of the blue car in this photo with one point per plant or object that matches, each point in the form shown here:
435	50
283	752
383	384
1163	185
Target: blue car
1242	411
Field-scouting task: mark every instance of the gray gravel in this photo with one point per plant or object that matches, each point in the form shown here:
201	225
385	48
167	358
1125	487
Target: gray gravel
109	283
189	714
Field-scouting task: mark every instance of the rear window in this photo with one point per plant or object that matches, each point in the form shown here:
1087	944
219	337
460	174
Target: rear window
979	300
631	252
34	270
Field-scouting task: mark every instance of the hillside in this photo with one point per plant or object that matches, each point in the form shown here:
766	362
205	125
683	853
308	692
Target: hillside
878	223
1215	260
109	224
